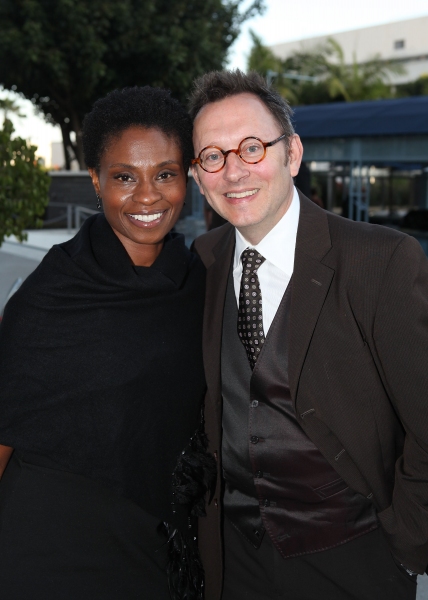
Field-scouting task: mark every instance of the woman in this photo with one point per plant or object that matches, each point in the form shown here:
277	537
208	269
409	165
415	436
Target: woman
101	381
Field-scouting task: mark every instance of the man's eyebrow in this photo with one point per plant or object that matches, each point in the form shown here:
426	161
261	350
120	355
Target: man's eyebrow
213	144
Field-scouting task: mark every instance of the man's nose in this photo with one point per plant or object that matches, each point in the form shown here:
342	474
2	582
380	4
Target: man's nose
235	168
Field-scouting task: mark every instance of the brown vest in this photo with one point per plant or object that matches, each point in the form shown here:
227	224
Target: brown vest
276	479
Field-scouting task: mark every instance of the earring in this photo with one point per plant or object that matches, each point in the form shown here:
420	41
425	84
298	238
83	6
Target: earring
99	200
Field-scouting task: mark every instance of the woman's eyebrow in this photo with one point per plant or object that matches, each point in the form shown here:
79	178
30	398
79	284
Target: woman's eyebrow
168	162
161	164
122	165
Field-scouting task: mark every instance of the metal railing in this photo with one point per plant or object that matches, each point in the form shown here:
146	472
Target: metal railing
81	213
73	215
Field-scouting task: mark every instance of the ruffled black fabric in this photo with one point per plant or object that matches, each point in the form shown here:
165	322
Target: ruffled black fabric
193	477
195	474
184	569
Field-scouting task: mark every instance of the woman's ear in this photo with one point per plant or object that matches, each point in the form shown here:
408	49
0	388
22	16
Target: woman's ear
95	180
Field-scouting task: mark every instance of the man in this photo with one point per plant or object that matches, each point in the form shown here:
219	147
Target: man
316	337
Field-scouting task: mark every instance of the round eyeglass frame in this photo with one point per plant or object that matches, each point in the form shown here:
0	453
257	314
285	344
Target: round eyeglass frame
198	161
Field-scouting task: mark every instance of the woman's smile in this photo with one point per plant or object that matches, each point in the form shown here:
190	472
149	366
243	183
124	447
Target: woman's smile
146	219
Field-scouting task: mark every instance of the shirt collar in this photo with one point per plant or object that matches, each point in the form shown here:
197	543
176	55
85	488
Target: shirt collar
278	246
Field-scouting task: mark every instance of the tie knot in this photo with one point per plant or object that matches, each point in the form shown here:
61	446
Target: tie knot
251	261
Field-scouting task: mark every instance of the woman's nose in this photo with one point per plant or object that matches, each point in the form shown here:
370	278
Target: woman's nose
147	193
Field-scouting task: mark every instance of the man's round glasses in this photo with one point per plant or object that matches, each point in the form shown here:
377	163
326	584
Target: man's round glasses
251	150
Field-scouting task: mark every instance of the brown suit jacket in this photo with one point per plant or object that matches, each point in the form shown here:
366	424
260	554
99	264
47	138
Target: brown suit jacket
358	369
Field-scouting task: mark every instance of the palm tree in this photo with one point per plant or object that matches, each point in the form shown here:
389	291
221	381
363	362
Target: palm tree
357	81
262	60
332	78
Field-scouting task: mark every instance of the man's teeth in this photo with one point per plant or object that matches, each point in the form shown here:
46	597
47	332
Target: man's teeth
241	194
147	218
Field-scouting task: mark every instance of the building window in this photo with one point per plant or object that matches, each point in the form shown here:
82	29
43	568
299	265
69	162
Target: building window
398	44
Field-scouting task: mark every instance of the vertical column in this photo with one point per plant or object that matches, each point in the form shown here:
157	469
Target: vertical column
359	185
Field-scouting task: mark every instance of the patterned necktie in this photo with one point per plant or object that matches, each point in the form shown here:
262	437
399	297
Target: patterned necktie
250	317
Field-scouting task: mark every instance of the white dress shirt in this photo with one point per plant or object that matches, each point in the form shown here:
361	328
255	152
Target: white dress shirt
278	248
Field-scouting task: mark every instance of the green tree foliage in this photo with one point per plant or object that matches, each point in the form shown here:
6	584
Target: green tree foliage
64	54
23	185
334	79
413	88
263	60
8	105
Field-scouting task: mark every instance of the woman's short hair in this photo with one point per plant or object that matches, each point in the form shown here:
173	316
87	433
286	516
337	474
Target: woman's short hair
146	107
218	85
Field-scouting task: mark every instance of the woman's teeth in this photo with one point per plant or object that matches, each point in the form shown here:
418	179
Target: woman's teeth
146	218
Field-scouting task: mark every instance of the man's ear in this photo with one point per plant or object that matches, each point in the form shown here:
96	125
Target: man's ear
295	155
95	180
196	178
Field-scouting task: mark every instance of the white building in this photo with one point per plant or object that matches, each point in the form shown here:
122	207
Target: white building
402	41
57	155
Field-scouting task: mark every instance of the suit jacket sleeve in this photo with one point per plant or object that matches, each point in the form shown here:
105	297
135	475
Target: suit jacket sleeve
401	339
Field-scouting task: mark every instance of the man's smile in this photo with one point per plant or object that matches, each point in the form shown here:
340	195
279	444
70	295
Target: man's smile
244	194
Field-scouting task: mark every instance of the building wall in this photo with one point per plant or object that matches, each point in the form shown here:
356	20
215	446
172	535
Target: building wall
57	155
404	41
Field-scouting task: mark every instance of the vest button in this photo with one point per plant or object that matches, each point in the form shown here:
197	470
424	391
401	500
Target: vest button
259	474
254	403
254	439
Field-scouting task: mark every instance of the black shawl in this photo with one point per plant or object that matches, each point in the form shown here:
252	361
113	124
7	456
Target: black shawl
101	363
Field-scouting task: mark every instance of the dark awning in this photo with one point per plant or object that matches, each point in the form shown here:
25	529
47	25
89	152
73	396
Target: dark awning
403	116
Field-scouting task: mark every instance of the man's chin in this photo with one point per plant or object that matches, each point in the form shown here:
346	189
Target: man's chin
239	218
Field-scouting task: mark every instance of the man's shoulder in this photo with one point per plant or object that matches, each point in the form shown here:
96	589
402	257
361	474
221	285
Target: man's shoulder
205	243
350	233
342	235
363	253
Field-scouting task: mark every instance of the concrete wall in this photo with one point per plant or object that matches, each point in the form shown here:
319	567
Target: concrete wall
380	39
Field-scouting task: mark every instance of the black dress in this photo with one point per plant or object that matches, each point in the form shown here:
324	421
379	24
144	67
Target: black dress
101	384
66	537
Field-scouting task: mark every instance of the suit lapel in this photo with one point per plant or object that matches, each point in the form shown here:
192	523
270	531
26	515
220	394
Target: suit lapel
217	275
311	282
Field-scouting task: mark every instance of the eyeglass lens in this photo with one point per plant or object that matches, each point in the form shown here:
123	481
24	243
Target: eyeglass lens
251	150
